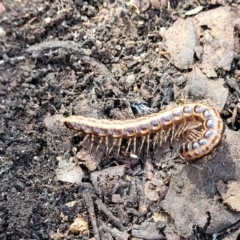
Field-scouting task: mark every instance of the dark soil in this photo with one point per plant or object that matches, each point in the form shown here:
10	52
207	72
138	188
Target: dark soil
62	58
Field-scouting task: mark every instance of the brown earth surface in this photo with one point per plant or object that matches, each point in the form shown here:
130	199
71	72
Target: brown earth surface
116	60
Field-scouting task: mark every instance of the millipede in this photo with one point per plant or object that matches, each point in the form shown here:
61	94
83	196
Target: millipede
201	125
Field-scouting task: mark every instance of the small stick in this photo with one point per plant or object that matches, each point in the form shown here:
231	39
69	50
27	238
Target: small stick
116	221
89	203
118	234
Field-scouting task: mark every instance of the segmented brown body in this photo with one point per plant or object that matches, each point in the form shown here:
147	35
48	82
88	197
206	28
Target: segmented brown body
176	121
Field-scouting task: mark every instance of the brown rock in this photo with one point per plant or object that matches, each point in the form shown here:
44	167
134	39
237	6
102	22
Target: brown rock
232	196
189	205
181	40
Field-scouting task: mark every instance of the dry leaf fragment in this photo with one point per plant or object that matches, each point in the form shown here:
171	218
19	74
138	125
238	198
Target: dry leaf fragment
68	171
79	226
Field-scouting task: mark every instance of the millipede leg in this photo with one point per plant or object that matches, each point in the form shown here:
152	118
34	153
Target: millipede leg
197	133
161	138
148	141
100	141
190	126
155	139
129	142
119	146
177	131
107	147
84	140
167	135
134	145
143	140
113	145
180	130
92	141
173	132
75	135
194	134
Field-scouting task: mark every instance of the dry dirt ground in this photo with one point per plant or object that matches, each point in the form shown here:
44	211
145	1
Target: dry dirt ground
115	59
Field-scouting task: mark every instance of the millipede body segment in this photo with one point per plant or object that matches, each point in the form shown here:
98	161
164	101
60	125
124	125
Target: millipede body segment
169	123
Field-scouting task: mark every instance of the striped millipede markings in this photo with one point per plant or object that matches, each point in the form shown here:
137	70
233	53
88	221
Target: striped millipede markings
173	122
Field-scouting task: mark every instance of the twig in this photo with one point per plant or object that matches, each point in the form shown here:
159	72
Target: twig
118	234
116	221
89	203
